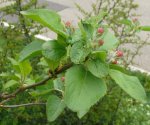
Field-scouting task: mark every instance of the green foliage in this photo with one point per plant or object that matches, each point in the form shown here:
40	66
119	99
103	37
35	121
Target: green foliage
87	85
54	107
129	84
10	84
145	28
97	68
43	92
110	43
24	68
79	51
120	17
82	90
47	18
31	50
54	51
84	84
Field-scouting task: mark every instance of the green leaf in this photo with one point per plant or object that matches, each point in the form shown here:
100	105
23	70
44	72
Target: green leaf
82	90
31	50
58	84
102	55
25	68
94	20
13	61
47	18
10	76
83	32
145	28
52	50
52	64
148	97
79	52
54	107
43	90
110	41
119	68
129	84
87	30
10	84
29	81
97	67
61	40
3	74
77	36
3	44
126	22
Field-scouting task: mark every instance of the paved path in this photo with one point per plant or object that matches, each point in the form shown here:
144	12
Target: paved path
144	10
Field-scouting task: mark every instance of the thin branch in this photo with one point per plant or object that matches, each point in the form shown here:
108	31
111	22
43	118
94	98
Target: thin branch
99	6
23	88
22	21
83	11
4	101
138	50
109	11
21	105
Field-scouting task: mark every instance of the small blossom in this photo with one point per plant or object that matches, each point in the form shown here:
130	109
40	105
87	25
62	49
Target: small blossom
135	20
100	42
62	79
115	62
68	24
100	30
119	53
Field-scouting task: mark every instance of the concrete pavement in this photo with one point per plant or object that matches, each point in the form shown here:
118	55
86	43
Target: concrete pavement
143	60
